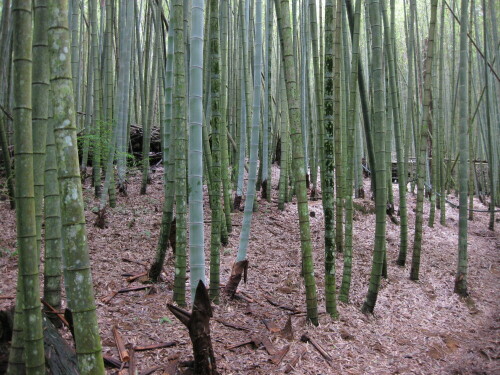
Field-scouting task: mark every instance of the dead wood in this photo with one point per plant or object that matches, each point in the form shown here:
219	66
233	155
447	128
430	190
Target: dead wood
140	348
131	366
232	325
268	345
113	362
134	288
135	277
280	354
60	358
7	297
317	346
120	345
198	324
294	361
238	271
60	315
246	342
276	304
109	297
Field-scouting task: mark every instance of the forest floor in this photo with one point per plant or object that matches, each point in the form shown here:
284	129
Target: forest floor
417	328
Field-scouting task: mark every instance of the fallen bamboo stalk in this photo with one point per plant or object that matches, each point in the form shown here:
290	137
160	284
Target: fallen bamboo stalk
122	351
135	277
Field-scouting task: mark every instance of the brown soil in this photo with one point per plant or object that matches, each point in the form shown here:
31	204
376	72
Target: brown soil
418	327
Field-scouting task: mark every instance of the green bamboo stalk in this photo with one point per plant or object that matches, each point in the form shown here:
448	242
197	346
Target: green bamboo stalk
24	188
215	176
179	119
53	242
331	81
226	183
96	113
5	32
40	102
285	33
461	275
491	137
351	121
168	151
195	162
422	153
283	179
254	138
379	150
77	273
390	48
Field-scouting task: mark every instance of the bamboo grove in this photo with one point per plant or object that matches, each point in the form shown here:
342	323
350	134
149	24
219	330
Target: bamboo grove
332	91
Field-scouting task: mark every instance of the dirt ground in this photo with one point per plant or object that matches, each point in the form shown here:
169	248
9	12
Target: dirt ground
417	328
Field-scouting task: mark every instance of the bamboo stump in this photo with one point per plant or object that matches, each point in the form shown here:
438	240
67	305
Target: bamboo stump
198	325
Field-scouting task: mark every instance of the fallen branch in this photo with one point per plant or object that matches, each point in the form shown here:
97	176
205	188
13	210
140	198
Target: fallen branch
232	325
246	342
7	297
59	314
169	344
274	303
318	347
134	288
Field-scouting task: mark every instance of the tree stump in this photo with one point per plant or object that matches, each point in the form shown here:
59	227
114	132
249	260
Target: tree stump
198	325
